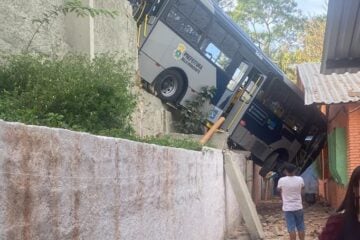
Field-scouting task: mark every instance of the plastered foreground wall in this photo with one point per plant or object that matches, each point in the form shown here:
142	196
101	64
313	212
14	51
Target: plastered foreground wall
83	35
59	184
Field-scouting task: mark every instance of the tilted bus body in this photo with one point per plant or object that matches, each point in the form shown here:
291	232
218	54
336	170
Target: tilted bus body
185	45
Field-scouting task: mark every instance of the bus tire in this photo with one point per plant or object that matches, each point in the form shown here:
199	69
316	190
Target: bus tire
169	85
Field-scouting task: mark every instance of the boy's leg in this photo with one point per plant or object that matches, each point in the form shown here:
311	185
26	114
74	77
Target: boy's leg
292	235
291	224
302	235
300	225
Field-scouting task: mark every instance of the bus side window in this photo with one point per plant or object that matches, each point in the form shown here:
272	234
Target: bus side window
186	6
216	56
200	17
182	25
216	33
229	46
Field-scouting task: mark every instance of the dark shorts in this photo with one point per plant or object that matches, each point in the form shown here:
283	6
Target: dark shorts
295	220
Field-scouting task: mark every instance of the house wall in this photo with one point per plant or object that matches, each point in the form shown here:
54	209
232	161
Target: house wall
353	137
335	193
60	184
342	116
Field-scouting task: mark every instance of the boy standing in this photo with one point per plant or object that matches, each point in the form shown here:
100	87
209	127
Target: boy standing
290	188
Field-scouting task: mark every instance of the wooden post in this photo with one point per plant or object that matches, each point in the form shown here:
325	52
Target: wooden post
211	131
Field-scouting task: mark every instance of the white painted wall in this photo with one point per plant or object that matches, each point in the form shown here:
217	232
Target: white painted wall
59	184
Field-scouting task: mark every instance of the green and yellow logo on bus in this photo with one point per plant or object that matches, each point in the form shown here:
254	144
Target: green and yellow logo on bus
181	54
179	51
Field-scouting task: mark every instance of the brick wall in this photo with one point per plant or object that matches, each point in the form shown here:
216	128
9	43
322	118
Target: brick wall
335	193
353	137
329	189
348	117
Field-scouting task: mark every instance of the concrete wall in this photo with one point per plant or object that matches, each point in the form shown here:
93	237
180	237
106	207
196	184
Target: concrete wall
59	184
16	27
234	217
83	35
67	33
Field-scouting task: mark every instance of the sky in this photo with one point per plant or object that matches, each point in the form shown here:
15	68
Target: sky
312	7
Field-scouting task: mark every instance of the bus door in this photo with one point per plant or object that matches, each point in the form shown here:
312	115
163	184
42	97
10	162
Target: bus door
224	104
242	98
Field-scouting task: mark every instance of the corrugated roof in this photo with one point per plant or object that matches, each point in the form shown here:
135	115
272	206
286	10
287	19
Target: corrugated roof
328	89
342	37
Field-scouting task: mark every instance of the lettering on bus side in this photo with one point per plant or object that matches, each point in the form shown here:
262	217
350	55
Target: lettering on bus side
181	54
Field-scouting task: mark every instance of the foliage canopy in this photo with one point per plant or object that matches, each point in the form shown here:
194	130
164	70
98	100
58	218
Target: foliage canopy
270	23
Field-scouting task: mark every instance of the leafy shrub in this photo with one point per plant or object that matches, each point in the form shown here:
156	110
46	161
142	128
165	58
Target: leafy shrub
191	117
72	92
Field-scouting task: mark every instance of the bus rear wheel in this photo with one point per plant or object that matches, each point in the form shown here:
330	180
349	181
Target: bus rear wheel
169	85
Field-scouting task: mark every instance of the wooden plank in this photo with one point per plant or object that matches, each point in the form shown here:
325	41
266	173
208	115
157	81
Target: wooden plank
243	197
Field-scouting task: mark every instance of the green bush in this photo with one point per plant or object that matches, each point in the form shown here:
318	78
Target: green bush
191	118
173	142
72	92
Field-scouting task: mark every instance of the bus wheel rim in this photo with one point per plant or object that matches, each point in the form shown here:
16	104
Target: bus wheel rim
169	87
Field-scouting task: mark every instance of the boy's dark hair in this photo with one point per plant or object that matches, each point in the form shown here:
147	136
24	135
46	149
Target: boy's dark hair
290	168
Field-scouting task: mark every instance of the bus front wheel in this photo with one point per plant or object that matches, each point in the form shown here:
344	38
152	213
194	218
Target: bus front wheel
169	85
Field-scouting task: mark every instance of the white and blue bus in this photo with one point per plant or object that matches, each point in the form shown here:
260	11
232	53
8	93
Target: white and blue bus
185	45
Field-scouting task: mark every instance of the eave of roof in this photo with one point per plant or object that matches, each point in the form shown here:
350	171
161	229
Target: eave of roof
328	89
342	37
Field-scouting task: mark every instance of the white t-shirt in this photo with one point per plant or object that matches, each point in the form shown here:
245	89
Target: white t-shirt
291	192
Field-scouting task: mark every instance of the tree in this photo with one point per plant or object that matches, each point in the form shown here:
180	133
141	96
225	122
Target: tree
313	39
310	50
270	23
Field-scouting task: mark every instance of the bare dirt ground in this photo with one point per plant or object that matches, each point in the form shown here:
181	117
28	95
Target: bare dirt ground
273	222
